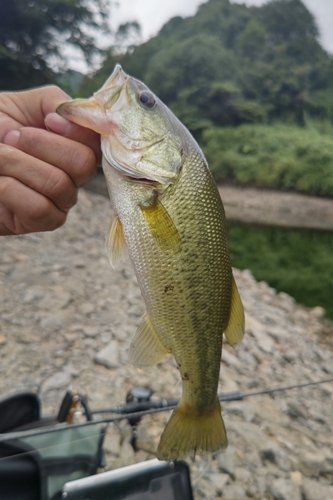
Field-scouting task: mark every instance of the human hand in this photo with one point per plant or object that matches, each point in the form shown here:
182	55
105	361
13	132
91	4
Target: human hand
44	159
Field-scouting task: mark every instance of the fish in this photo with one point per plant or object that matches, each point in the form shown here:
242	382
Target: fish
170	219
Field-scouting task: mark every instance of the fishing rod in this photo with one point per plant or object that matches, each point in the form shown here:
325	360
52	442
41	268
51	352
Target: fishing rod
126	411
170	403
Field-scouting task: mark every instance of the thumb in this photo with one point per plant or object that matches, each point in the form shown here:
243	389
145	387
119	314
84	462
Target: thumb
59	125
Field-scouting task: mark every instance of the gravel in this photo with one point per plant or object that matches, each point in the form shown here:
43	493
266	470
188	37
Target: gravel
67	320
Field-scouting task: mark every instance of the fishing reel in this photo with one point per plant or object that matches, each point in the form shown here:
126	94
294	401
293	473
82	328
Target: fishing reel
137	395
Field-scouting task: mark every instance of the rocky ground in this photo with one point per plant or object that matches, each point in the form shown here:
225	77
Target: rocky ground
67	320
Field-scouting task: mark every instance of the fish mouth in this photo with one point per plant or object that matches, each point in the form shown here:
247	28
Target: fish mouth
91	113
108	95
117	77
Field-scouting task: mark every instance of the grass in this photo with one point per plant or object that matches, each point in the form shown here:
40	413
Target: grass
278	156
296	261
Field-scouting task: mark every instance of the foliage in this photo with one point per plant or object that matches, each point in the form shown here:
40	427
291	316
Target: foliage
296	261
32	32
230	64
279	156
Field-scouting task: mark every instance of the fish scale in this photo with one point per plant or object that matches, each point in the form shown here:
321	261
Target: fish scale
201	265
170	217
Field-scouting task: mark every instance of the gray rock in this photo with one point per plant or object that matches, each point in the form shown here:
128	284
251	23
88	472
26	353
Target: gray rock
250	433
242	475
296	409
55	301
327	368
53	321
105	337
91	331
243	409
87	308
207	489
263	340
318	312
32	294
284	489
314	490
312	464
127	455
109	356
219	481
253	460
260	483
233	491
57	381
229	358
279	334
227	461
270	452
290	356
112	441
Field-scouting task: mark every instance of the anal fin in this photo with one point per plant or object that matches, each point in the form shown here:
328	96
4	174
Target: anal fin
235	329
115	241
146	348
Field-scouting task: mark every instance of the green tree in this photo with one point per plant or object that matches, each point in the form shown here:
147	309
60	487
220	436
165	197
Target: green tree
34	31
230	64
287	21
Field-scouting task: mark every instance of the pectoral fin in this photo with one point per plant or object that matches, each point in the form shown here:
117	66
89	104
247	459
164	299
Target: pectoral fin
235	329
115	242
146	348
161	224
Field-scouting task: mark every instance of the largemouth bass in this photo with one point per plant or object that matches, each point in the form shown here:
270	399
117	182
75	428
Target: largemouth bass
170	217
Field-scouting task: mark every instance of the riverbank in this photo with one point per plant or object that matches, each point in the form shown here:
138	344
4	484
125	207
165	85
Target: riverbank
263	207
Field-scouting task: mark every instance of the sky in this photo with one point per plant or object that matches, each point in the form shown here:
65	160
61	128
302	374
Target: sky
152	14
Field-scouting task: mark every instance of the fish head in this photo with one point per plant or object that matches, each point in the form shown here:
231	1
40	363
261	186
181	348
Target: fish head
140	137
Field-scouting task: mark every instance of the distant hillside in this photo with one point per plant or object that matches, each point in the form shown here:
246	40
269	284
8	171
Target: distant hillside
252	84
231	64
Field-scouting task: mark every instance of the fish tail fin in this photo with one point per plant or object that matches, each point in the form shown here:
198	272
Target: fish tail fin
187	434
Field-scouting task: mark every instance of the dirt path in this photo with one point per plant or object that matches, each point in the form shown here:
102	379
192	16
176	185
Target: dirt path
259	206
275	208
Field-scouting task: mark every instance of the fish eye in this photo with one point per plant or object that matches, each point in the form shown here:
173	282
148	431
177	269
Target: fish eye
147	99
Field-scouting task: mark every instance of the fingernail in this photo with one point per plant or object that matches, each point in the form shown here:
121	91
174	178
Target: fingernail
58	124
12	137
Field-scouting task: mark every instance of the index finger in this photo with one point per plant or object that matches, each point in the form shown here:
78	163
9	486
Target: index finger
76	160
29	108
65	128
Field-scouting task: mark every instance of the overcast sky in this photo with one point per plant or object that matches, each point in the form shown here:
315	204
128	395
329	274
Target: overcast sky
152	14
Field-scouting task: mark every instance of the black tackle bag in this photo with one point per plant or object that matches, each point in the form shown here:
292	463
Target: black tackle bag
38	456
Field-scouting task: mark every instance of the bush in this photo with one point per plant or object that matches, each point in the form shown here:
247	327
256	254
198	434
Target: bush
277	156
